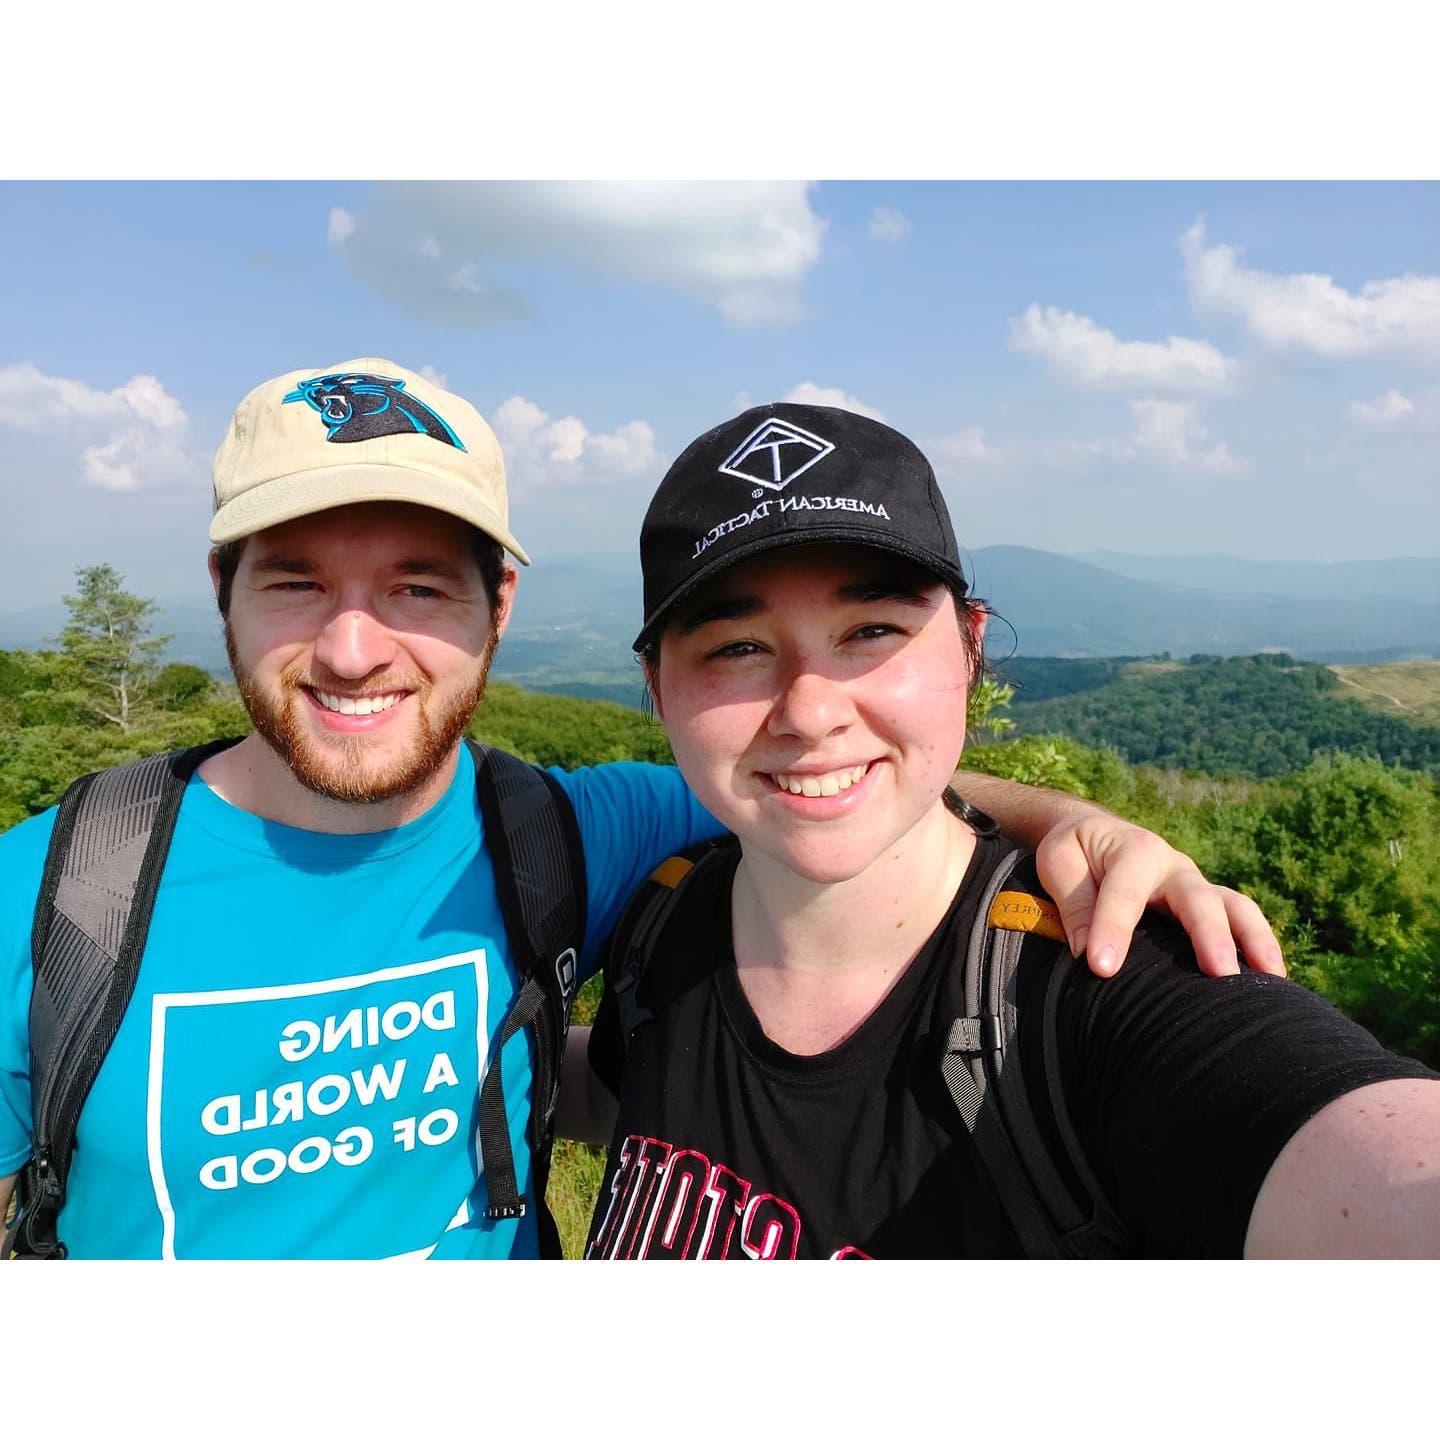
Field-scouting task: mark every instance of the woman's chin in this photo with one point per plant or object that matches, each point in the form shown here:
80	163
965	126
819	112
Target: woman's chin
818	862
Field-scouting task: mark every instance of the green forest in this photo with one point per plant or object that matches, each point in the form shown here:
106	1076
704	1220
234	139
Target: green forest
1319	808
1252	715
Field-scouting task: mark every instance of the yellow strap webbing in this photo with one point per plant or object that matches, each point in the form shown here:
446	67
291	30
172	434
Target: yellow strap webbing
1015	910
671	872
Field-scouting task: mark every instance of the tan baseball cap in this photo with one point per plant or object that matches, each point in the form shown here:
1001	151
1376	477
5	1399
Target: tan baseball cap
366	429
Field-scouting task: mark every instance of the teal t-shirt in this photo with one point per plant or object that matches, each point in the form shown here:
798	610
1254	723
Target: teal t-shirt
298	1071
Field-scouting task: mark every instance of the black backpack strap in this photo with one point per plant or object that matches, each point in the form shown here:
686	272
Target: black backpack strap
102	871
637	933
987	1083
534	842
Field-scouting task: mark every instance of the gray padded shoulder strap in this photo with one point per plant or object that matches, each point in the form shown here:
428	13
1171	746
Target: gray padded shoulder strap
99	852
112	833
984	1077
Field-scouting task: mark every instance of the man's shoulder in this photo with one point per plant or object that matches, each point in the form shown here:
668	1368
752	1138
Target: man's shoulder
22	853
619	777
22	862
623	801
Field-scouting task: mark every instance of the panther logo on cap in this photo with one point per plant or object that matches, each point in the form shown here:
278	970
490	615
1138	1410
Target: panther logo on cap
363	407
775	453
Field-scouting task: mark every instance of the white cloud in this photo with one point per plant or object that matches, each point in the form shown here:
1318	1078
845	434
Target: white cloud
1170	431
1311	312
341	227
1164	432
744	249
435	377
887	225
149	399
807	392
1389	409
541	453
136	433
1084	354
964	448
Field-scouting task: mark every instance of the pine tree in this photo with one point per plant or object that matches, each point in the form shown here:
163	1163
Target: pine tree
108	635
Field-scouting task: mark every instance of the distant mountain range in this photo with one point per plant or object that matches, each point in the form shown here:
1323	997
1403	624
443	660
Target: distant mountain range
193	625
1398	579
1060	606
575	616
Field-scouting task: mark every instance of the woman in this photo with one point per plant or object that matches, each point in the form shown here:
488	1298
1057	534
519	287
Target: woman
809	642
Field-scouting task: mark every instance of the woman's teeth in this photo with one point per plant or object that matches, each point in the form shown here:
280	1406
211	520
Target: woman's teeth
831	784
357	705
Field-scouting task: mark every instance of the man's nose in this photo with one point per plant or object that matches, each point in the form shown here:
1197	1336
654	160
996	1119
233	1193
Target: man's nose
354	644
811	706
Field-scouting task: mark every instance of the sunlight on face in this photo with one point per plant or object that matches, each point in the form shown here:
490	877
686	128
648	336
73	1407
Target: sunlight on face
361	639
816	703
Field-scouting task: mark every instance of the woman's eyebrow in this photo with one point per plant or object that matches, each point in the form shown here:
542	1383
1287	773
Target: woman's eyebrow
740	607
870	590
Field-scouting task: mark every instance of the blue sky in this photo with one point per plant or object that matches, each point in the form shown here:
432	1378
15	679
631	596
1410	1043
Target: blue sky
1173	368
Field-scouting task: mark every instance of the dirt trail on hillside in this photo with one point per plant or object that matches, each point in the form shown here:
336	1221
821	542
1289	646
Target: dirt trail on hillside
1354	685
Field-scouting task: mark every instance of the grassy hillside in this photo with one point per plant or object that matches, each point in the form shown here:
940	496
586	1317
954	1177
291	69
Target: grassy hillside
1406	688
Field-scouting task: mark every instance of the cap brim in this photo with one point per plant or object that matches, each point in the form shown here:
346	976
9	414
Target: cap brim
308	492
812	535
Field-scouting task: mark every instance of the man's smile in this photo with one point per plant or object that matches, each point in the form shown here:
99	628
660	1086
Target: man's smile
354	713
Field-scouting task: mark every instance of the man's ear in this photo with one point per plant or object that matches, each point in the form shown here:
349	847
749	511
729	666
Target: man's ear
214	562
509	580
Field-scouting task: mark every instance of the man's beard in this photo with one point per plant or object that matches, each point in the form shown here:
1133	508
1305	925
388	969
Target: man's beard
338	769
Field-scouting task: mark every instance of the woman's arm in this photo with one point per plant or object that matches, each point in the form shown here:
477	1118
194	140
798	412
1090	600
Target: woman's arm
1103	872
1359	1180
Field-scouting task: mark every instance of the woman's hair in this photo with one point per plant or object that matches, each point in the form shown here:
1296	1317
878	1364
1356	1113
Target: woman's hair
489	555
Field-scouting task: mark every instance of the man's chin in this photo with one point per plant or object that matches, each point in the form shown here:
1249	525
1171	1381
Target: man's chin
356	778
364	770
359	769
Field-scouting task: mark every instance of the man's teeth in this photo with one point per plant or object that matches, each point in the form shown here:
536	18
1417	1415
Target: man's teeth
357	705
831	784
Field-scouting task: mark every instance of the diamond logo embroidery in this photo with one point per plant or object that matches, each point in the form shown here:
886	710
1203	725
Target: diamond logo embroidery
774	454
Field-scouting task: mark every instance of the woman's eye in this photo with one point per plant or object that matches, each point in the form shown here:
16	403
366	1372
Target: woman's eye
735	650
874	632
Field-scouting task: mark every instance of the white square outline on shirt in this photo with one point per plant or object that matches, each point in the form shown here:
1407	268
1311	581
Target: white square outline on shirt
161	1003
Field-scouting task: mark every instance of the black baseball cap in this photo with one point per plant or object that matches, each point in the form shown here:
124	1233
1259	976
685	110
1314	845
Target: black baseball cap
782	475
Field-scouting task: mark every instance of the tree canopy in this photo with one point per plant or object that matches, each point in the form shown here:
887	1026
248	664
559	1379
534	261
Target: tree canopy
108	639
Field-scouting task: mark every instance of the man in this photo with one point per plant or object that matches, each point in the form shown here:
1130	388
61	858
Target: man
327	971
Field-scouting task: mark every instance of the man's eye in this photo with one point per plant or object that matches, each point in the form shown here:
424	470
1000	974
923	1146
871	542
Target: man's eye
295	587
421	592
874	631
735	650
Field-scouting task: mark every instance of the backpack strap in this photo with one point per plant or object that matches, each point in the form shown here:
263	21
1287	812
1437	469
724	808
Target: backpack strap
641	925
534	842
986	1081
97	892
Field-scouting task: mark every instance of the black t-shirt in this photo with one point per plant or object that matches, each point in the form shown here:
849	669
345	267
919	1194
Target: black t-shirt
1183	1089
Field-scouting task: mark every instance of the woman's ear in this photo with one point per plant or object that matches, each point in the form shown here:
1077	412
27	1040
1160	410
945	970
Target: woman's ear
977	619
